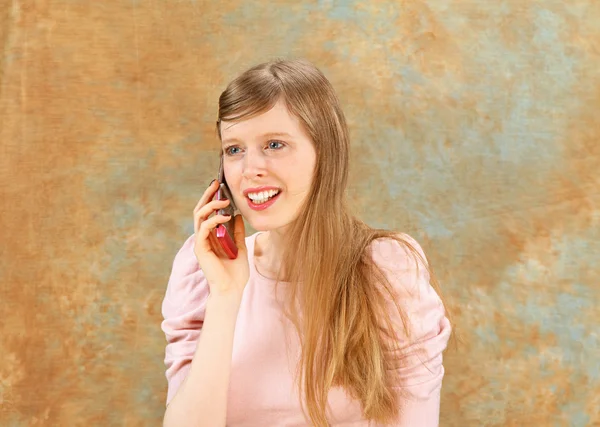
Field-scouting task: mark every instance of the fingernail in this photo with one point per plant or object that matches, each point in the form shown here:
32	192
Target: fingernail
211	183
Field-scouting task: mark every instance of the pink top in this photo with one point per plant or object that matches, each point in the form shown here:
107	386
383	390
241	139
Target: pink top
262	390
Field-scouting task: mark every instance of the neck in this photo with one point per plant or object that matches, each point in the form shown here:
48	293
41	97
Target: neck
268	247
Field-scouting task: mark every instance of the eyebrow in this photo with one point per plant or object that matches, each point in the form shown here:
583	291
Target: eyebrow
264	135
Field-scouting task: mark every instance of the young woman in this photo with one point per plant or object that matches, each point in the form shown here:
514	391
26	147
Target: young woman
320	320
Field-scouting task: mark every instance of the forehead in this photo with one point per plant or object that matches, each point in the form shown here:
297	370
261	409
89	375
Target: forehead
277	120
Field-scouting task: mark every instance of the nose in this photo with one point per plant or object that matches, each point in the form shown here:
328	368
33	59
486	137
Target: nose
254	165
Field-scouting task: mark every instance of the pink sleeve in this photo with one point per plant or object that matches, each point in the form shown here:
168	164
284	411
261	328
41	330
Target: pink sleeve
418	369
183	311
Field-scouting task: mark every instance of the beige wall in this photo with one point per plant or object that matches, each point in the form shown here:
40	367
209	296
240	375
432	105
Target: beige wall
474	128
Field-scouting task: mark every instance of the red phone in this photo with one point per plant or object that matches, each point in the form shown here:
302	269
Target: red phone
225	232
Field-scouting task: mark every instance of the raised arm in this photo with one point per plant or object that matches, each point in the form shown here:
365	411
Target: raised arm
198	397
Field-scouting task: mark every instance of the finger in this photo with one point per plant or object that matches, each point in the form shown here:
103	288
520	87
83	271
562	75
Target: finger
204	249
209	225
206	210
203	236
216	245
239	232
208	194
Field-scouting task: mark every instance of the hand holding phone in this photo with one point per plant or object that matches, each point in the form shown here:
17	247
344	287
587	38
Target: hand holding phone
222	255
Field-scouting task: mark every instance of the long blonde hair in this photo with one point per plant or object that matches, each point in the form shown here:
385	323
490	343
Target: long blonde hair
346	330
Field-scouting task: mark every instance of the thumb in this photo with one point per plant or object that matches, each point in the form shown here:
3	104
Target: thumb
239	233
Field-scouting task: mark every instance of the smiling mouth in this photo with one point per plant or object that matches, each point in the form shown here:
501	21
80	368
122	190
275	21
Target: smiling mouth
262	196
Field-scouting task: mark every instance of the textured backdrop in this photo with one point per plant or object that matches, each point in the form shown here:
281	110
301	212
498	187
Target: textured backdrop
474	128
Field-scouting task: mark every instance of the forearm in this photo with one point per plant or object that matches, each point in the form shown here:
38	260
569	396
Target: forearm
202	398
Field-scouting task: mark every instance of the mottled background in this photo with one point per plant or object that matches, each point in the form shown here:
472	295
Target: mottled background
474	128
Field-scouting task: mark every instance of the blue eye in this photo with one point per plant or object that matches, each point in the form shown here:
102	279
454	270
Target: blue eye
230	151
275	145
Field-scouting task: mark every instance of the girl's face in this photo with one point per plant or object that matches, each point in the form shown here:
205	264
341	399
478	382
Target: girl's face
268	161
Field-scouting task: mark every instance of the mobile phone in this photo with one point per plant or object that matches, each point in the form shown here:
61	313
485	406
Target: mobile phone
225	232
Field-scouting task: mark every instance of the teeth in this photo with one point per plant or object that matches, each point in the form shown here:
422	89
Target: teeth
262	196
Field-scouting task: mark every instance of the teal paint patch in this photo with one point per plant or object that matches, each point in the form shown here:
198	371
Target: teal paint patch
487	335
577	414
567	316
346	10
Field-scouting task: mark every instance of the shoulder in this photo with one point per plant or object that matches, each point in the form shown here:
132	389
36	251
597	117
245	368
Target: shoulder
187	288
401	253
405	266
185	261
